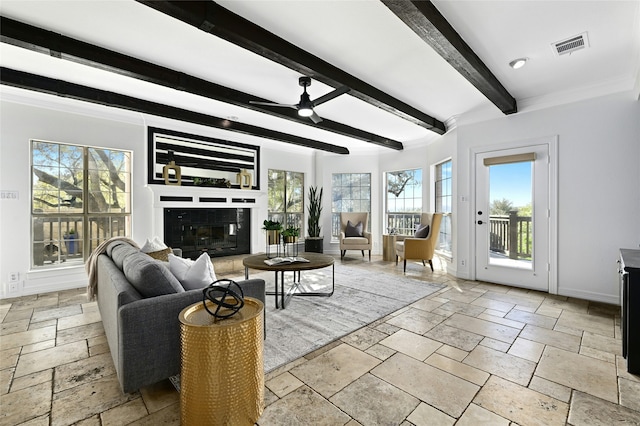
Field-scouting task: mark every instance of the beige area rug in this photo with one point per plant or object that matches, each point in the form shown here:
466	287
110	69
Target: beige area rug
361	297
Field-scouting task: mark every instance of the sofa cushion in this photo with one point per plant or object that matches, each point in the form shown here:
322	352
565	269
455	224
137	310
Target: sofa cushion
150	277
119	250
192	274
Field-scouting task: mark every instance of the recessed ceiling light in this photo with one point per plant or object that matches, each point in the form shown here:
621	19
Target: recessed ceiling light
518	63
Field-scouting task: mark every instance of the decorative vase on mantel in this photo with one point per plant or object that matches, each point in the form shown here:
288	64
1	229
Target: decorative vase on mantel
244	179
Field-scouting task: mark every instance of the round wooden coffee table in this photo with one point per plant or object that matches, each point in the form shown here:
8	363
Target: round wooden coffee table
316	261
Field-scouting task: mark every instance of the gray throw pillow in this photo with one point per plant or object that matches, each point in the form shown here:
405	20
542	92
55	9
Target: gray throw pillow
422	231
150	277
353	231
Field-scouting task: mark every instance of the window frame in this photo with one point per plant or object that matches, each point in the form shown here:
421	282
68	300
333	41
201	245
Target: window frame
287	218
445	238
409	218
335	212
58	247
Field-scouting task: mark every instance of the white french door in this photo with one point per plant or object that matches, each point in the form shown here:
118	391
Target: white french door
512	216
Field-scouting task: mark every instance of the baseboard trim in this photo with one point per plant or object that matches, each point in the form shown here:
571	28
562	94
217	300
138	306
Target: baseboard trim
590	295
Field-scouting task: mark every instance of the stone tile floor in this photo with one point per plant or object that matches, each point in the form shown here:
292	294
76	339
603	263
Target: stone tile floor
471	354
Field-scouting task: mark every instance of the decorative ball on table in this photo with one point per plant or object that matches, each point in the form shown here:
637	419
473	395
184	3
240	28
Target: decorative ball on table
226	295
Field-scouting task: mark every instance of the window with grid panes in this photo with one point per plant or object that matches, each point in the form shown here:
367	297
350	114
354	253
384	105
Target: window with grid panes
286	198
443	203
403	200
80	197
350	192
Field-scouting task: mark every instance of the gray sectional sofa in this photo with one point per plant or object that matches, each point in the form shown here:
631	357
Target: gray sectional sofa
139	301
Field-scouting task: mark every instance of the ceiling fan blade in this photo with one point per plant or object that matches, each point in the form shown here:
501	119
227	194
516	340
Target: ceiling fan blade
273	104
315	117
333	94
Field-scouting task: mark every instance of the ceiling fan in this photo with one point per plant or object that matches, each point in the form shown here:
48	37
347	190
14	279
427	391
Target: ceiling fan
306	105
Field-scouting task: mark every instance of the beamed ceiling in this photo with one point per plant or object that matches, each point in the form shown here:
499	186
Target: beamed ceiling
406	67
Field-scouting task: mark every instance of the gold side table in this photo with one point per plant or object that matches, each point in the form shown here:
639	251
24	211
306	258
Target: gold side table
388	247
222	373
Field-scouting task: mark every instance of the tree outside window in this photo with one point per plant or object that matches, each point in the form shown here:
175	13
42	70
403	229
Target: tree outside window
443	202
350	192
403	200
80	196
286	198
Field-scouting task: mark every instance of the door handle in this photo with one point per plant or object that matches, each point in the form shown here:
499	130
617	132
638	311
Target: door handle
480	222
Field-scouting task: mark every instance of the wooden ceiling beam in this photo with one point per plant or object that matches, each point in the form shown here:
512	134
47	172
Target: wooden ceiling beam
428	23
29	81
215	19
60	46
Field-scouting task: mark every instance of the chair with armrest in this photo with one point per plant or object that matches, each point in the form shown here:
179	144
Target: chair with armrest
421	248
356	237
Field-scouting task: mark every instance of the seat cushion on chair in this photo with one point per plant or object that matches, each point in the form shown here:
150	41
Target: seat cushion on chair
355	241
422	231
353	231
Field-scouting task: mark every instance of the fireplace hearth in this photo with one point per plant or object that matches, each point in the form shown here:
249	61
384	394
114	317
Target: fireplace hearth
216	231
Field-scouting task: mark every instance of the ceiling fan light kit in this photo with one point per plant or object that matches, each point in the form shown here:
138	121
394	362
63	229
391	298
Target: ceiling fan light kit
306	105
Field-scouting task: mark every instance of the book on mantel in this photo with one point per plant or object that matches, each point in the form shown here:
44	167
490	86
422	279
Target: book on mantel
285	260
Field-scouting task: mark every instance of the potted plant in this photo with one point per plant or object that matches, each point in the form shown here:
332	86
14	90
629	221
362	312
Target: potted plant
70	238
273	229
314	242
290	235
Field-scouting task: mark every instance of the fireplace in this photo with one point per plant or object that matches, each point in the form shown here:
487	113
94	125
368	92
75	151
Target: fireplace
216	231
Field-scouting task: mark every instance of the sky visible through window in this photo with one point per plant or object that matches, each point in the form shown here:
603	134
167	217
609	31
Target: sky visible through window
511	182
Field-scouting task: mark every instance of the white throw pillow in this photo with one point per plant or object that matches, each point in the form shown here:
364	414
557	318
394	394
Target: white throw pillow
155	244
192	274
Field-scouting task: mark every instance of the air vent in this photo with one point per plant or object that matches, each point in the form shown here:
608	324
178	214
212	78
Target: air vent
571	44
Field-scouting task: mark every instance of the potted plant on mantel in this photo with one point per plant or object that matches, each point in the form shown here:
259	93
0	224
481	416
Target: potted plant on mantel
314	242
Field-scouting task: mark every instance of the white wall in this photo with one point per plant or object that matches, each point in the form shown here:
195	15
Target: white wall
599	179
25	116
598	185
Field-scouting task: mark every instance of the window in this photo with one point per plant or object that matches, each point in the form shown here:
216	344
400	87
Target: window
443	201
403	200
80	197
350	192
286	198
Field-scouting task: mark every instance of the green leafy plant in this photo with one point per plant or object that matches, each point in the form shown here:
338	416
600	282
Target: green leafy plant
291	232
315	210
271	225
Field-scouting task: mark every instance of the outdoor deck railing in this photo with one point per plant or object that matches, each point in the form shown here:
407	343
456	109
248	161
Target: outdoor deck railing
511	234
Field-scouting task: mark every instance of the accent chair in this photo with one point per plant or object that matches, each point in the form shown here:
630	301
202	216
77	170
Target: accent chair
420	248
353	233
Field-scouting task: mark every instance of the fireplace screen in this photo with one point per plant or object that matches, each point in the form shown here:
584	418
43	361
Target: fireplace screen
219	232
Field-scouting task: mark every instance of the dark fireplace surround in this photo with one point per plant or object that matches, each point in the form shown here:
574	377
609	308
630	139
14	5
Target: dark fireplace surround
216	231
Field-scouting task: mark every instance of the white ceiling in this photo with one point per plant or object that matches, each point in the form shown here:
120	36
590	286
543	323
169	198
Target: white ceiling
364	38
